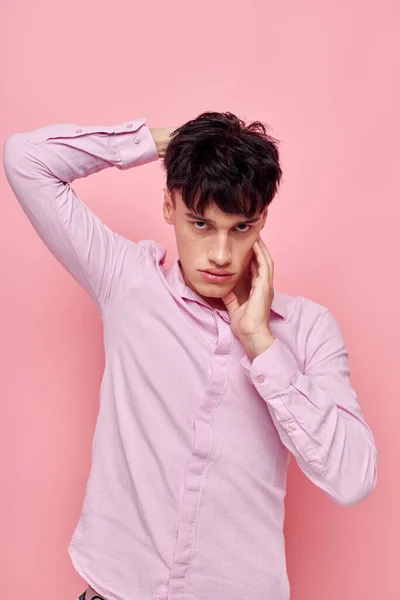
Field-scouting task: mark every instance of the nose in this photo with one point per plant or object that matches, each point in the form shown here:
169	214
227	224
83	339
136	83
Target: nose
220	253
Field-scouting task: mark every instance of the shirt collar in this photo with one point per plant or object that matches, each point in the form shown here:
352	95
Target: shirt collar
176	281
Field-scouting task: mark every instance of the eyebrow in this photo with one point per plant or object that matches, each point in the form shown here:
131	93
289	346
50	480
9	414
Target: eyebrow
200	218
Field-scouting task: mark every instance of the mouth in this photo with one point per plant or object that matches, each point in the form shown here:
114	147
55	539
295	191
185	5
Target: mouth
216	278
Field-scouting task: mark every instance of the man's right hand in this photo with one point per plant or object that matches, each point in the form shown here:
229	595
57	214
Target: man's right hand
161	137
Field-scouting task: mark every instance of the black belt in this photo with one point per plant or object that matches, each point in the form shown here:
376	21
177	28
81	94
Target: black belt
83	597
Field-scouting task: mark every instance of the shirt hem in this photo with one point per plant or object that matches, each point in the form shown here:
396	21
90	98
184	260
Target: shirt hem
87	578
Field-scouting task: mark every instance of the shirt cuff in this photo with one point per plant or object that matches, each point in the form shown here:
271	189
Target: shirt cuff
135	144
272	370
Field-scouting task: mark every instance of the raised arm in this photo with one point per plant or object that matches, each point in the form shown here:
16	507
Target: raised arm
41	165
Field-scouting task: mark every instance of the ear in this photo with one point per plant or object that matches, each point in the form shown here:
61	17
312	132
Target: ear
264	217
168	207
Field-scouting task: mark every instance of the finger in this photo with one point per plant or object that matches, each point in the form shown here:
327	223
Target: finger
268	256
231	302
261	259
253	268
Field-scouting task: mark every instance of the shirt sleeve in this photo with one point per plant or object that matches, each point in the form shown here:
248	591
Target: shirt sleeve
41	165
317	414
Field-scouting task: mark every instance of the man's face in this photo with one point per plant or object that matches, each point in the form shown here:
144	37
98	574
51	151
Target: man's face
216	242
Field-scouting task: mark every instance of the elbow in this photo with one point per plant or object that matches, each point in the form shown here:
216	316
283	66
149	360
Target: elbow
354	496
354	489
14	160
12	152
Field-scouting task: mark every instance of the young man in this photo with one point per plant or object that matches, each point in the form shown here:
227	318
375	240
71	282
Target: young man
213	379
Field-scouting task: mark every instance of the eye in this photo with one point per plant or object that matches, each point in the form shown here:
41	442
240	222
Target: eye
244	225
239	231
201	223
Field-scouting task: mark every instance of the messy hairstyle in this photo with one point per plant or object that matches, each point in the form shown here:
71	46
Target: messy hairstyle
217	159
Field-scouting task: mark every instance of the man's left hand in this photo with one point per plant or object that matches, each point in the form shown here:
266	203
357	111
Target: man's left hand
250	321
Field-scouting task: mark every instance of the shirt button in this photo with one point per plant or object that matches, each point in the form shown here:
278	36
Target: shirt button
261	379
291	427
136	140
78	131
129	126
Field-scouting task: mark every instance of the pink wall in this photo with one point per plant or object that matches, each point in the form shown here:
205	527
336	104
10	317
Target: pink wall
325	76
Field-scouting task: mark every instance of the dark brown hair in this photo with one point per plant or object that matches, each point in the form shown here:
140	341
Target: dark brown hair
217	159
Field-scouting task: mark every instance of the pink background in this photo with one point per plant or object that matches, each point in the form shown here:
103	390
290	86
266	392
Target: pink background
325	77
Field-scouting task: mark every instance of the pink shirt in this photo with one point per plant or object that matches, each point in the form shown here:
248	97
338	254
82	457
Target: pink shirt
185	499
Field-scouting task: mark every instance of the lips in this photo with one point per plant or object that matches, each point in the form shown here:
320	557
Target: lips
219	273
216	278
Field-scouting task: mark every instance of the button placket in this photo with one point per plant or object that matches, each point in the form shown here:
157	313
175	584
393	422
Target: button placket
199	460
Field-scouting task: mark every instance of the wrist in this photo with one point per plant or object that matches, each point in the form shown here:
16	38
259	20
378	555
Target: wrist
161	137
257	343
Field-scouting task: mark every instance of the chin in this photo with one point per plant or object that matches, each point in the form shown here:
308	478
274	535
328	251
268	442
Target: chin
210	291
215	290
